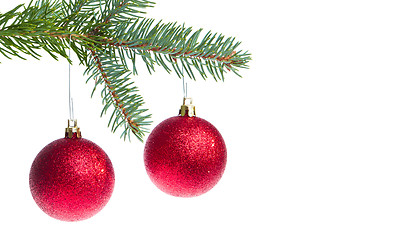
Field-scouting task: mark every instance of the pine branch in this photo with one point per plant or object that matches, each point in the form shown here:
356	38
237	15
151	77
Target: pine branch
118	91
29	29
105	34
168	44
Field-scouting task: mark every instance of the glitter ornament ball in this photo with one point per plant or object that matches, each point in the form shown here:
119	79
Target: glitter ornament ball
72	178
185	156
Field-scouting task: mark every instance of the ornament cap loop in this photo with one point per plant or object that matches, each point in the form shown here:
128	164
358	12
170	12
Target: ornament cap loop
187	108
72	131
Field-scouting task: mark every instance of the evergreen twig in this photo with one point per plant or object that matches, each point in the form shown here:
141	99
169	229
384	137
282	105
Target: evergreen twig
104	34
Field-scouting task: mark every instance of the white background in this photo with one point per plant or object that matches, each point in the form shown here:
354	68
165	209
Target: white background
314	129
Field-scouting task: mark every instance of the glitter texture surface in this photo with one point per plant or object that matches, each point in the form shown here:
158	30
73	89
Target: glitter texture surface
185	156
71	179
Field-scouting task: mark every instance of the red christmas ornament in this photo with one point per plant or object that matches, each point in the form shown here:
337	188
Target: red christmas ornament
185	156
72	178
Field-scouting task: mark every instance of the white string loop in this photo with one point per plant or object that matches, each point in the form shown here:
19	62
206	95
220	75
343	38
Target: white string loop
71	109
184	84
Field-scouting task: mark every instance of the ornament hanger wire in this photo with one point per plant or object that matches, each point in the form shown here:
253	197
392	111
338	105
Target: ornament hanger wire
184	84
71	109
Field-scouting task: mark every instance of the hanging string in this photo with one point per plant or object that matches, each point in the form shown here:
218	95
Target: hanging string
184	84
187	108
71	110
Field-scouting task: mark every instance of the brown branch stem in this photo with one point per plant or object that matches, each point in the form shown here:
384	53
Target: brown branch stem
161	49
117	101
127	45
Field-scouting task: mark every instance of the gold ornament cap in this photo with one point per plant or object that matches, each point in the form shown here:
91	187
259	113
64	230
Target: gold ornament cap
72	131
187	108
